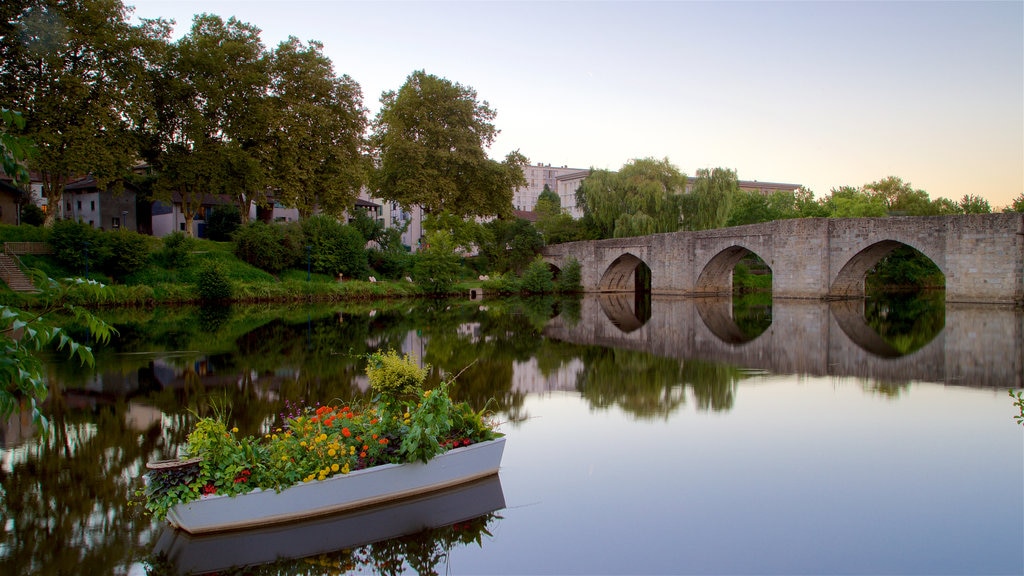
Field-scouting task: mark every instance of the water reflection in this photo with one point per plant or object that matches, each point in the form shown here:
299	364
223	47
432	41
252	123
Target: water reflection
65	499
413	534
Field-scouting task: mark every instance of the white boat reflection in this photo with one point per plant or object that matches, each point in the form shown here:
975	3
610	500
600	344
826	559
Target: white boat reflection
182	553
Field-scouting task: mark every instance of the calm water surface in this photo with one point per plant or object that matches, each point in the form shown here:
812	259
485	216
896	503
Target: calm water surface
671	436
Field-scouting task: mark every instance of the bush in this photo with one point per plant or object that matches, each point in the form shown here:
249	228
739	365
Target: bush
335	248
9	233
571	278
271	247
177	250
223	222
77	245
213	283
32	215
437	266
537	278
129	252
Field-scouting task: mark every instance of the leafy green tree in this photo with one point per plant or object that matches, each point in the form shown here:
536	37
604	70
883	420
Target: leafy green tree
464	232
437	264
548	203
14	149
371	228
510	245
537	277
710	200
751	207
334	247
972	204
128	250
945	206
644	197
78	246
209	91
72	68
222	223
430	138
850	202
806	206
1017	205
319	158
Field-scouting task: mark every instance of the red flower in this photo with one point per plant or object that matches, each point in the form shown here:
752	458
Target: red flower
346	432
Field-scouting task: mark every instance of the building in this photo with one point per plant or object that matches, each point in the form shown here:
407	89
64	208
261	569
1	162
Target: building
767	187
110	208
541	175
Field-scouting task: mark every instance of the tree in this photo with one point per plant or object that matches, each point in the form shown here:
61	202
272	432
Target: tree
319	158
644	197
430	138
1017	205
72	67
711	198
971	204
850	202
510	245
208	90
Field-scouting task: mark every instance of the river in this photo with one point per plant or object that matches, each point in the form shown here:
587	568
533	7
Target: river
643	436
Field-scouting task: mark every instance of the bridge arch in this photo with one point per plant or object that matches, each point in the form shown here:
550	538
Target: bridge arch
849	281
627	273
716	276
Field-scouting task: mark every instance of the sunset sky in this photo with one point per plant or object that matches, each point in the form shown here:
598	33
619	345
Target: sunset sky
823	94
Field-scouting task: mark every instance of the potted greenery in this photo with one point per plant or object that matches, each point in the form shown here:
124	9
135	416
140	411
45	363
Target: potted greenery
330	458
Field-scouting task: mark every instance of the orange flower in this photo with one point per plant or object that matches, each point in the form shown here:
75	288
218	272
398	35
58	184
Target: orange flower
346	432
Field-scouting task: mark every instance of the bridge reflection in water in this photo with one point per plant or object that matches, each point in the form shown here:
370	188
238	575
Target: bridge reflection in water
977	346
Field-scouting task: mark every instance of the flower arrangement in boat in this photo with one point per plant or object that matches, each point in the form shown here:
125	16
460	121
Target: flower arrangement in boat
403	423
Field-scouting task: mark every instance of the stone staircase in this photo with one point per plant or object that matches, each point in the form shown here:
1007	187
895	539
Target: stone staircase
11	273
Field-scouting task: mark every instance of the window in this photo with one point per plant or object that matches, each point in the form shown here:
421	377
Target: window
79	205
92	205
181	226
115	223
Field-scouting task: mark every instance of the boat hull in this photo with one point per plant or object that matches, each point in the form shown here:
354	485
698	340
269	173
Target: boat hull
339	493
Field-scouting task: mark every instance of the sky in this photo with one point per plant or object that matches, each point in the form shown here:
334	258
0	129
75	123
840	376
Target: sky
823	94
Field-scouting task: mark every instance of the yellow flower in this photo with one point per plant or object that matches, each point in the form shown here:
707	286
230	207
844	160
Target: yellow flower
352	450
332	453
284	458
303	443
334	467
235	430
344	469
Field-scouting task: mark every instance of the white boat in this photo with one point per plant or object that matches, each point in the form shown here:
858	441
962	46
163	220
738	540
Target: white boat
358	489
298	542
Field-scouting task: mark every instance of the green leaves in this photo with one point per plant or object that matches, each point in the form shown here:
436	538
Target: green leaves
23	334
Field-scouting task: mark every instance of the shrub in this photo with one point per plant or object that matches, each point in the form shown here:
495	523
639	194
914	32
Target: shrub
223	222
213	283
335	248
177	250
571	278
437	265
32	215
271	247
129	252
77	245
537	277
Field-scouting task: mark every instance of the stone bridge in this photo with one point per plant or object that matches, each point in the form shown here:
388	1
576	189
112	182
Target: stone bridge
981	256
980	346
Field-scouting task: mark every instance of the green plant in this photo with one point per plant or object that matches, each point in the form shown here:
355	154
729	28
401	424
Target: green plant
271	247
213	283
537	278
177	250
1019	404
24	333
78	245
223	222
335	248
571	277
129	252
437	265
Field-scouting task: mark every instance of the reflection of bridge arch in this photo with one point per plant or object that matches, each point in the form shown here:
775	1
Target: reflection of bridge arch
716	276
627	312
627	273
849	282
717	316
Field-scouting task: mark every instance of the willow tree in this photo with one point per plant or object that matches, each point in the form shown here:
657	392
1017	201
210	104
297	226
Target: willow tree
430	138
644	197
319	158
72	68
711	198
